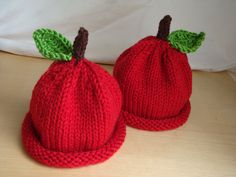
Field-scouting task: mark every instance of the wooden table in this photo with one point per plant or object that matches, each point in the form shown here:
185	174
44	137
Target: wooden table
204	147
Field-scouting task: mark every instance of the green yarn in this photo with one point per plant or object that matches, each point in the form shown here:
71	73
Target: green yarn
186	41
52	44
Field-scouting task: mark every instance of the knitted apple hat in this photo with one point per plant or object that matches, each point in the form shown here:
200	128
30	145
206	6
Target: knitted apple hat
156	80
75	106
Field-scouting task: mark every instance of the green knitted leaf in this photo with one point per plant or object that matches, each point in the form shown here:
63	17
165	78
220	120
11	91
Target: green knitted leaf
186	41
52	44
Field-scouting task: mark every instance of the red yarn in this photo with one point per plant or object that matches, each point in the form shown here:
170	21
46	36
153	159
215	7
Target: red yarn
156	83
74	116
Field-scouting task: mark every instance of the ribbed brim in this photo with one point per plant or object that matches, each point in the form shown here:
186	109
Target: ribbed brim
157	124
73	159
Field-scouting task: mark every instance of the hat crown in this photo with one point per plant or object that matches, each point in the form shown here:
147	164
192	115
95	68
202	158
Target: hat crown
75	107
156	79
158	76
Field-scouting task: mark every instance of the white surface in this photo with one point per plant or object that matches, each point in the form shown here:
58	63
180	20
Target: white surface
115	25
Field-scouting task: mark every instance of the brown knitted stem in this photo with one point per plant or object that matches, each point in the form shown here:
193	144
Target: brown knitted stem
164	28
80	44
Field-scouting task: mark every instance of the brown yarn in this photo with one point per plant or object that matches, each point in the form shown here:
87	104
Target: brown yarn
80	44
164	28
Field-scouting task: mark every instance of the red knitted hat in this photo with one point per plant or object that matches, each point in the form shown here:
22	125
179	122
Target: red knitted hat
156	80
75	106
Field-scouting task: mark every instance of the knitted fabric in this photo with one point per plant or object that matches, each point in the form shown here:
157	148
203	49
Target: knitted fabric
186	41
156	83
52	44
74	116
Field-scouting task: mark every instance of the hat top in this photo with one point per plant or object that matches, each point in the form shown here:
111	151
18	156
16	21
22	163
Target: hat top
182	40
55	46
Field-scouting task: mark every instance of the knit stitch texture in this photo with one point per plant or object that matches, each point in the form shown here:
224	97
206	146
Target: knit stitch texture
74	118
186	41
156	83
52	44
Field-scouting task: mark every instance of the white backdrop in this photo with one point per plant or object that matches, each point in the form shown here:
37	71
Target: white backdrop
114	25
